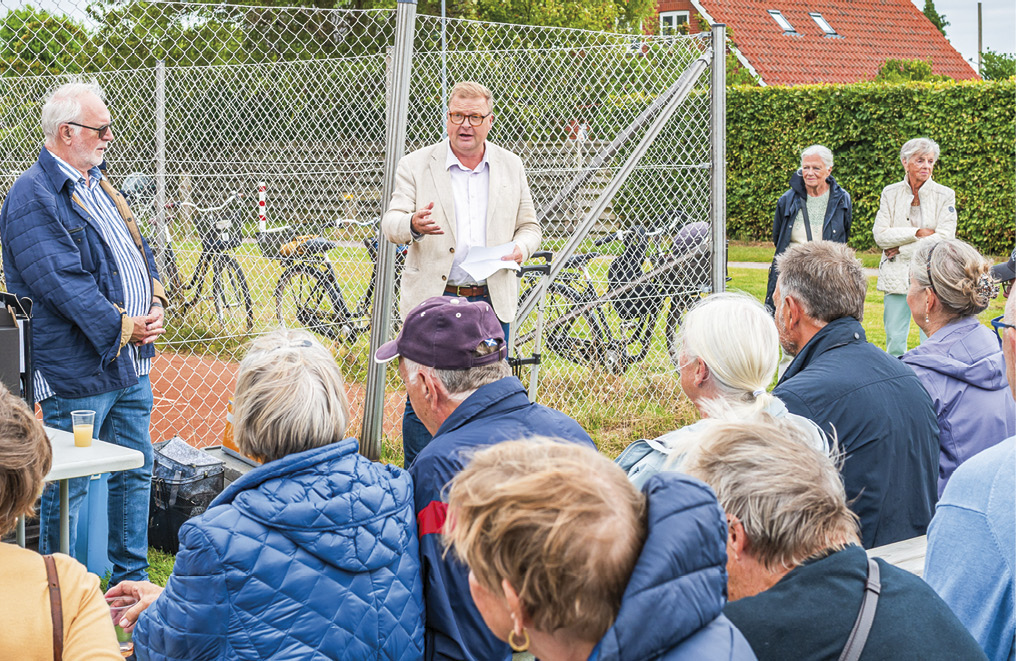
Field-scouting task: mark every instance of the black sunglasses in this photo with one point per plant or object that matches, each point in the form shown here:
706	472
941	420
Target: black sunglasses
101	130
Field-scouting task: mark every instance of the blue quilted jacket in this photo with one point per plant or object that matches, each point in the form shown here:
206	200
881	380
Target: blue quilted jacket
672	609
54	253
312	556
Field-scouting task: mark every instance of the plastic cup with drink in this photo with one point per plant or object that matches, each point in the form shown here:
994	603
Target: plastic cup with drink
83	423
117	607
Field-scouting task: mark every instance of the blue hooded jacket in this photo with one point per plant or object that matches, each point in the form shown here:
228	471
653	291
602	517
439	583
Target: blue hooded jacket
311	556
672	609
962	368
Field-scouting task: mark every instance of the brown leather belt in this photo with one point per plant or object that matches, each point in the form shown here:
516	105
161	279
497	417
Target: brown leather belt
470	290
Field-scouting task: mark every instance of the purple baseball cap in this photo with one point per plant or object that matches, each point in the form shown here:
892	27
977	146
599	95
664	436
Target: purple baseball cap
443	333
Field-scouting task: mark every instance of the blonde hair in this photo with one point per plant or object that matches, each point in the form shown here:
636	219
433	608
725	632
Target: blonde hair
958	275
468	89
737	340
289	397
559	521
25	458
788	496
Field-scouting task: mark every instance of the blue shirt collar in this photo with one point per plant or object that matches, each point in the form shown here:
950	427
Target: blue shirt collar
71	173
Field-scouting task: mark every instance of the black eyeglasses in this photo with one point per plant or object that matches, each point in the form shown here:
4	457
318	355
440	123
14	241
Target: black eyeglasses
101	130
1000	327
474	120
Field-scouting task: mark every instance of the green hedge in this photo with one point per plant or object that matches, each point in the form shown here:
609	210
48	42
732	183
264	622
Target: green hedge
865	124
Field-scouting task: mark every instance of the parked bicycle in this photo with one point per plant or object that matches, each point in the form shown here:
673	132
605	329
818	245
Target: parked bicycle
616	329
217	288
309	294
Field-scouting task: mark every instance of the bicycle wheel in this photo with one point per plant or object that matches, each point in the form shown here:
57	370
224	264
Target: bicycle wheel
306	298
231	296
679	304
572	334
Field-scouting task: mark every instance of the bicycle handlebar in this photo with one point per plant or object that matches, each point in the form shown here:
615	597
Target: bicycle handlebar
230	197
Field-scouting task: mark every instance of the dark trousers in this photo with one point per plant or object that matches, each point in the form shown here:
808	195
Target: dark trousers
415	436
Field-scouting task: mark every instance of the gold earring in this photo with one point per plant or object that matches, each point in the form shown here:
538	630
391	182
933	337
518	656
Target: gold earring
516	646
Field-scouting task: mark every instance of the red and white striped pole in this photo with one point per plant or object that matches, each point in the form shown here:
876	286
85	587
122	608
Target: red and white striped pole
262	208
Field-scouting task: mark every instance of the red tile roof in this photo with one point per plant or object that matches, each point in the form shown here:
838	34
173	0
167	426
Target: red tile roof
872	32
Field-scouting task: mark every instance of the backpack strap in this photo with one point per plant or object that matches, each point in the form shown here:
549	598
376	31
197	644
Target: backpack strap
865	617
55	606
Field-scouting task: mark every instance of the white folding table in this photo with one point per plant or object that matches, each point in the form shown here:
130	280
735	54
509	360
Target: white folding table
70	461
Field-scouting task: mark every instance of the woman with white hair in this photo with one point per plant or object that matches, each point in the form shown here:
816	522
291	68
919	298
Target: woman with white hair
314	554
728	351
815	207
910	210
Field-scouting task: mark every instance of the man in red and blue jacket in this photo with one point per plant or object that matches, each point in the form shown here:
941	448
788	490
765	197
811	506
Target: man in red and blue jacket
452	358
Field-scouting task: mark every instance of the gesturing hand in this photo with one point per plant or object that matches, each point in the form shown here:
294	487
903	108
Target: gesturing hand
422	223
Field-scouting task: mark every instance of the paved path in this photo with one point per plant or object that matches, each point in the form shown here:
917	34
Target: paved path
764	266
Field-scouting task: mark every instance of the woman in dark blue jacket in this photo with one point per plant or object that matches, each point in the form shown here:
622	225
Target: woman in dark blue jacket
313	555
815	207
568	560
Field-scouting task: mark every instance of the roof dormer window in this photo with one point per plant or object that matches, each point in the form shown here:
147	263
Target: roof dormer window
823	24
782	21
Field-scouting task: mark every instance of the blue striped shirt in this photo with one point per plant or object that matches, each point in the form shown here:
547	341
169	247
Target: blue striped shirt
130	263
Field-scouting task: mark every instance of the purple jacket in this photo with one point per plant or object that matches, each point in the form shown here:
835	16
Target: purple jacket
962	368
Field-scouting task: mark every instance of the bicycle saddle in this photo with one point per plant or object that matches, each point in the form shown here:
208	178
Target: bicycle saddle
307	244
579	261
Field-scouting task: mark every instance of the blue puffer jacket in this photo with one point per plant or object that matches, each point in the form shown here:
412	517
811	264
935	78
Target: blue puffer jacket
672	609
312	556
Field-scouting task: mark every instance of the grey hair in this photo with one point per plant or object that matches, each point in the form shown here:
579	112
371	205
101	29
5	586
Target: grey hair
918	146
737	340
468	89
64	105
826	278
821	151
290	397
460	384
957	274
788	496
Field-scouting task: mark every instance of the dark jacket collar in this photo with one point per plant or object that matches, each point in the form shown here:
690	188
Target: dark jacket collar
797	185
495	398
836	333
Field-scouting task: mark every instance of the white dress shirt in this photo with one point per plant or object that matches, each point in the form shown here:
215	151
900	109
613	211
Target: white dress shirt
470	189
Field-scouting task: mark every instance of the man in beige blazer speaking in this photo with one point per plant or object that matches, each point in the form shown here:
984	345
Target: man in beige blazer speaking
450	197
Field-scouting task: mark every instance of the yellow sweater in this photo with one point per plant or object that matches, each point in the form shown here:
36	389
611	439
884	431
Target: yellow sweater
26	625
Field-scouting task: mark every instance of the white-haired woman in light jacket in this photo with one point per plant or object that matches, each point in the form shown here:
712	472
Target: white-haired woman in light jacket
912	210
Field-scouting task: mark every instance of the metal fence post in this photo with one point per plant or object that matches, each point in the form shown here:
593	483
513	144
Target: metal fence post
396	116
718	139
161	230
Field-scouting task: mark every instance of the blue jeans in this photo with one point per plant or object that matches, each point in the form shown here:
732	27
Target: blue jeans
415	436
121	417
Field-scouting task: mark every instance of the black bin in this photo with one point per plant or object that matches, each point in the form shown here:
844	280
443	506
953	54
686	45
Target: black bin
185	481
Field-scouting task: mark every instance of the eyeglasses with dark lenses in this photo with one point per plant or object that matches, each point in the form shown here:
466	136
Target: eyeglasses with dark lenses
101	130
474	120
1000	327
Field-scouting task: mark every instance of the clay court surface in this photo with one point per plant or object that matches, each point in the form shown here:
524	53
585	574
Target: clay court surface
191	393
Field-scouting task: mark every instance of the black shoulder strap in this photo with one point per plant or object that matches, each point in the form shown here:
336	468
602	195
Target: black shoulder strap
865	617
807	223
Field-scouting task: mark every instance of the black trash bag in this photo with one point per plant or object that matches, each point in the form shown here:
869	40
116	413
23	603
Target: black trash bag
184	482
627	267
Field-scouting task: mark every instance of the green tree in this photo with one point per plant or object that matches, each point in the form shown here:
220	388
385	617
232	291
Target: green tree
902	71
997	66
33	41
938	20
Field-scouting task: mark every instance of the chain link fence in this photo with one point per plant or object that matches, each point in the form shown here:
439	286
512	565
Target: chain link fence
210	102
